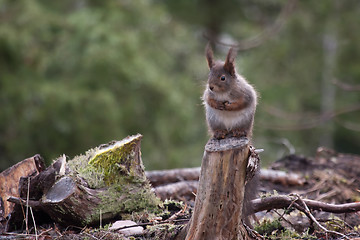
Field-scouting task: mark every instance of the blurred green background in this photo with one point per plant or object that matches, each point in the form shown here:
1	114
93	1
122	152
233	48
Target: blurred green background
76	74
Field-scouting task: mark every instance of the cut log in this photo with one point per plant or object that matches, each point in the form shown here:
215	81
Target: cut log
69	203
220	196
107	182
9	181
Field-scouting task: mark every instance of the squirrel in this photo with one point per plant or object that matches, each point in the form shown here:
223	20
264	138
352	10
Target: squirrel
230	104
230	101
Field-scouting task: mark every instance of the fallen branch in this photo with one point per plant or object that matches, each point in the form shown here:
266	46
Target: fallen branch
282	201
165	177
160	177
282	177
177	190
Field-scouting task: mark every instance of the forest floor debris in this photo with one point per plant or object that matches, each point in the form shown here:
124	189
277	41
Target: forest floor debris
329	178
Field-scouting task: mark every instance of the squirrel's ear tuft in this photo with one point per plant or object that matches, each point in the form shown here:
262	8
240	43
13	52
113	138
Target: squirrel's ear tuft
209	55
230	61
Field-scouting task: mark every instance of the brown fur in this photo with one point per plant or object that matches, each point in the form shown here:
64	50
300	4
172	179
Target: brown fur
230	101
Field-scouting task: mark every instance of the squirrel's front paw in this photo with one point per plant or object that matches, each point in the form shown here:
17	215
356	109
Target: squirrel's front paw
225	105
220	134
238	132
221	105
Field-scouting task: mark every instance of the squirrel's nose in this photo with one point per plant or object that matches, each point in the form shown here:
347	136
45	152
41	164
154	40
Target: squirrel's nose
211	87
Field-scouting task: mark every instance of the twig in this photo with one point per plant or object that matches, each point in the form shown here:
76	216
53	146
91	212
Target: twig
285	142
306	122
281	216
18	234
32	215
266	34
308	214
254	234
46	231
329	194
100	219
175	215
27	203
102	237
27	206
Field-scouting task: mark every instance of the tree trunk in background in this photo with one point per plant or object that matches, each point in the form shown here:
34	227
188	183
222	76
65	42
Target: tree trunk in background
328	88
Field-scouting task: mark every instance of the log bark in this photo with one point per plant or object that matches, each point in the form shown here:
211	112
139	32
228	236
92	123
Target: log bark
220	196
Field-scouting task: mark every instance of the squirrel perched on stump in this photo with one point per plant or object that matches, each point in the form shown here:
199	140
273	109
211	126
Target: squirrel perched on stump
230	101
230	104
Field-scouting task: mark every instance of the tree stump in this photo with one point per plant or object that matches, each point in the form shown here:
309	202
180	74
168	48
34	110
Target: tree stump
220	196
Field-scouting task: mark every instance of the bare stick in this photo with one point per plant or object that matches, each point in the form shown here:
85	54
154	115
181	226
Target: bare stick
308	213
32	216
30	203
282	215
27	206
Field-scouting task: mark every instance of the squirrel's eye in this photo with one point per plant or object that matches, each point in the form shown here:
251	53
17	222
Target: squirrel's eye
222	78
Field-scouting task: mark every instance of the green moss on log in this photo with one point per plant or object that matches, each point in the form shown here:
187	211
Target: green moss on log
114	161
109	164
129	200
117	169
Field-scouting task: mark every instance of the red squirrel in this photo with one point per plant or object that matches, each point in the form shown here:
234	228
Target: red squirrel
230	104
230	101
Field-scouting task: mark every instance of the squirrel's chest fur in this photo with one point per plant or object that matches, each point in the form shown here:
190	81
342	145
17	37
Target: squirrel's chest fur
222	119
